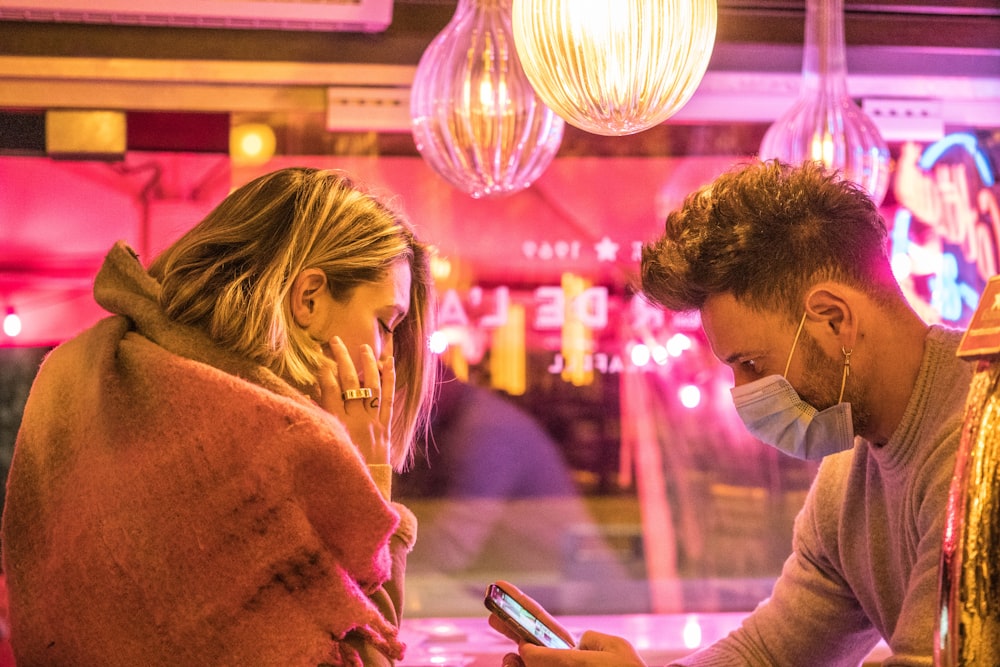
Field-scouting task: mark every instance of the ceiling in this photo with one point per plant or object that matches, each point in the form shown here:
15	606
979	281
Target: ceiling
912	63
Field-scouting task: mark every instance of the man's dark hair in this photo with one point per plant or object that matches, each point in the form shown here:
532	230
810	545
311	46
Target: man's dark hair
765	232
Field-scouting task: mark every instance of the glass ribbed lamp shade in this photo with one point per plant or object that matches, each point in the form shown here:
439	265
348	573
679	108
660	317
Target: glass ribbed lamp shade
615	67
825	124
475	117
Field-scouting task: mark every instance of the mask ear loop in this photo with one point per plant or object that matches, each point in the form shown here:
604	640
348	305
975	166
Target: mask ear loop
847	371
798	332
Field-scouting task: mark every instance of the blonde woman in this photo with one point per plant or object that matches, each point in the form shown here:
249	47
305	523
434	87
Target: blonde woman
204	477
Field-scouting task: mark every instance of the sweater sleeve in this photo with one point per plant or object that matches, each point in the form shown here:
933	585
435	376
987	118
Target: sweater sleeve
389	597
381	474
911	638
812	617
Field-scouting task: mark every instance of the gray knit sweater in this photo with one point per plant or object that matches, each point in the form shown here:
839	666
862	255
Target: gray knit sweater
867	543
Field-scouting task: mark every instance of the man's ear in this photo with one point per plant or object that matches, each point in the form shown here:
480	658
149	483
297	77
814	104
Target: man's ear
305	288
829	305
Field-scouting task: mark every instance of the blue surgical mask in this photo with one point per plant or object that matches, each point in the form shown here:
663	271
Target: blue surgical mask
772	411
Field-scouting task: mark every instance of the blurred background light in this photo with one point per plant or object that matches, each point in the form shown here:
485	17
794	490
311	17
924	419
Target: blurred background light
251	144
640	354
689	395
11	323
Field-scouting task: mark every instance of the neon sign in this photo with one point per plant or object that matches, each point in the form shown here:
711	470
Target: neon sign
467	318
946	236
551	307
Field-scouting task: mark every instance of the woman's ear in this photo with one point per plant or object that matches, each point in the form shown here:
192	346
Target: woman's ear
305	288
830	306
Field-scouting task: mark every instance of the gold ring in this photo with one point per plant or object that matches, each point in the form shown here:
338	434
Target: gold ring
351	394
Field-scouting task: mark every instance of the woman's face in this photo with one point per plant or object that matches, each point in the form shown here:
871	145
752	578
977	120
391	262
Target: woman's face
369	316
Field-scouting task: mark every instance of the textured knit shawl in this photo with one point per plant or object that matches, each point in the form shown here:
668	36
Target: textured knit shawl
171	504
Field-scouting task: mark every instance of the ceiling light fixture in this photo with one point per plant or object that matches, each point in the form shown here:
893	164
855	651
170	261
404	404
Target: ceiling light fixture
825	124
475	117
615	67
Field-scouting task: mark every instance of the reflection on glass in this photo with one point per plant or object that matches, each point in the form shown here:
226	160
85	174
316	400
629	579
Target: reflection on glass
476	120
692	633
825	124
645	477
496	499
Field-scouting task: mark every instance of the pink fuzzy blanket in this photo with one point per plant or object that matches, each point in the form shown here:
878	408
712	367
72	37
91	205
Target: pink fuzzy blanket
169	504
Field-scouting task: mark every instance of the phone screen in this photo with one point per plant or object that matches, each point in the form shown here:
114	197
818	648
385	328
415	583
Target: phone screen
511	610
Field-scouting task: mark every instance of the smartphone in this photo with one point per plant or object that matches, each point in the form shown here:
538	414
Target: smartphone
503	599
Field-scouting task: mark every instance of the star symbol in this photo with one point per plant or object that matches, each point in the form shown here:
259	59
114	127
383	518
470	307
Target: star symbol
607	250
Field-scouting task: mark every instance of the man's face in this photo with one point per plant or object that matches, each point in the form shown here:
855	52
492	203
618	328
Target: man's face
755	344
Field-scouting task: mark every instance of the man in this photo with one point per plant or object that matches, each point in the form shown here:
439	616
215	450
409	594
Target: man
789	271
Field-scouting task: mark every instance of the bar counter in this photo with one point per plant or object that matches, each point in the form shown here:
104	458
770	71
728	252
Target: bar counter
660	638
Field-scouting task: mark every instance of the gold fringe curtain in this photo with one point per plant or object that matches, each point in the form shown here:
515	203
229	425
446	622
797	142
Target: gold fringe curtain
969	599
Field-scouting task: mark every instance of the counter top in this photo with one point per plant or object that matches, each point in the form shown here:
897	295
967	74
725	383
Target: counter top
659	638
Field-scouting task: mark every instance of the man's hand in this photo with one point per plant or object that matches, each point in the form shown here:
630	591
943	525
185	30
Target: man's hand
594	650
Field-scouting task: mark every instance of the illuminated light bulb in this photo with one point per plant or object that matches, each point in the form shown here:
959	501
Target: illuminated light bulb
251	144
12	323
640	354
825	124
615	67
475	118
690	396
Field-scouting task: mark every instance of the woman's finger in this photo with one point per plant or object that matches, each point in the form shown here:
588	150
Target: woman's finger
347	375
329	387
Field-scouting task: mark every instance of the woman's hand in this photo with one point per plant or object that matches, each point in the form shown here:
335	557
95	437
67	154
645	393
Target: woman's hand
367	419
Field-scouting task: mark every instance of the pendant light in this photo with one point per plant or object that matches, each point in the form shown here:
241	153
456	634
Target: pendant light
615	67
475	117
825	124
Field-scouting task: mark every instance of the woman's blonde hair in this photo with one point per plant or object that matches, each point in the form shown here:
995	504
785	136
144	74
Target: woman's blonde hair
230	276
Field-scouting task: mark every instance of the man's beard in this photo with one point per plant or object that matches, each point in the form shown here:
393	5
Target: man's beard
821	384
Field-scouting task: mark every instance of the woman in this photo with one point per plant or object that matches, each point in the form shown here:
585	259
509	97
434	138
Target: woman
204	477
